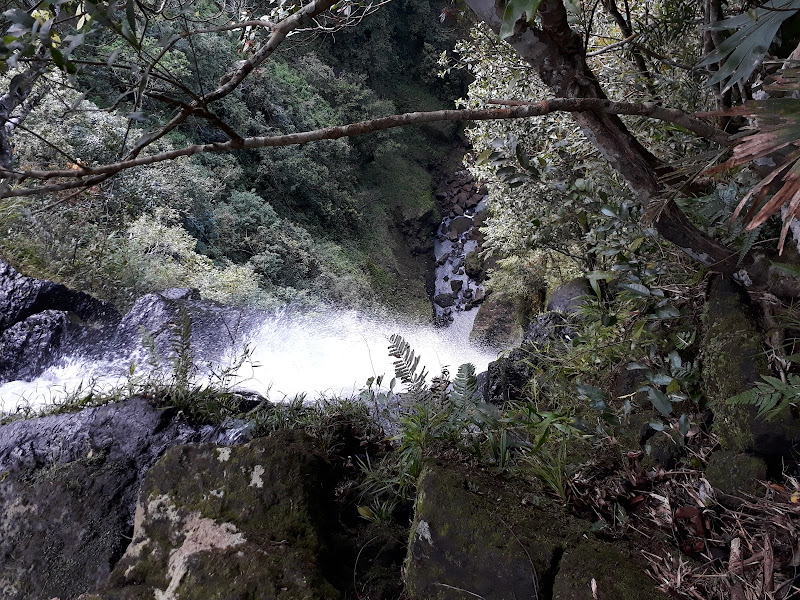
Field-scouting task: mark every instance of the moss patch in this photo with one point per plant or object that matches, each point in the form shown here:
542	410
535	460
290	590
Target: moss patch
618	573
472	537
216	523
733	360
733	473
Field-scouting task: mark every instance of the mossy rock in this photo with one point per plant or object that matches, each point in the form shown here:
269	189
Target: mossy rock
215	522
474	267
498	323
619	573
733	361
472	538
733	473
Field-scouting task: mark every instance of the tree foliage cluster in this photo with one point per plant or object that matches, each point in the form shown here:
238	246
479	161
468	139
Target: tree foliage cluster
274	224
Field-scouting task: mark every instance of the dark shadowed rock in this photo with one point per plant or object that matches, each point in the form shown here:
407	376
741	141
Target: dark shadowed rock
567	297
508	376
29	346
733	361
221	522
22	296
41	320
69	490
444	300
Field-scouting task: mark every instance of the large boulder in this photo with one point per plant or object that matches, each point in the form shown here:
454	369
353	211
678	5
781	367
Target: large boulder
733	360
29	346
22	296
473	536
569	296
179	320
218	522
498	323
68	493
41	320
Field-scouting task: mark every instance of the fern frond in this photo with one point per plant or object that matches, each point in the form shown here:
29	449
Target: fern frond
405	367
771	397
747	243
465	385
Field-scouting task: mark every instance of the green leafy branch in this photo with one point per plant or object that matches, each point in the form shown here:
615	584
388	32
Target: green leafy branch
771	397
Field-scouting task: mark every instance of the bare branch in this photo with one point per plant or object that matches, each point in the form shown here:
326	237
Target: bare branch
231	81
516	111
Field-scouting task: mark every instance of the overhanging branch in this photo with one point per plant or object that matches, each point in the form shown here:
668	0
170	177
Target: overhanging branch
582	105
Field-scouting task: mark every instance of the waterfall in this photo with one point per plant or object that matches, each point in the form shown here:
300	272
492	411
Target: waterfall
328	352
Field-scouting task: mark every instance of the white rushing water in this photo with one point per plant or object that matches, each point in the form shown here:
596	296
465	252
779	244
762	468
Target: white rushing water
327	353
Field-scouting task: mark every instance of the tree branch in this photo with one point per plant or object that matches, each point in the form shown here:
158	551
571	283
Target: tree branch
517	111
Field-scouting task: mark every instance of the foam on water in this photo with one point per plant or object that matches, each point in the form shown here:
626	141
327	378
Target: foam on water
335	353
322	353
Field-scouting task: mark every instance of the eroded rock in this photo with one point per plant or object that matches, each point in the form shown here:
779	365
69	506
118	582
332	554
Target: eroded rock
68	491
221	522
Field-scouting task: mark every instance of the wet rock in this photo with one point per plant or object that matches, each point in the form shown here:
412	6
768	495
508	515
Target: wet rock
221	522
41	320
170	315
457	211
69	490
733	360
444	300
567	297
460	225
456	285
28	347
22	296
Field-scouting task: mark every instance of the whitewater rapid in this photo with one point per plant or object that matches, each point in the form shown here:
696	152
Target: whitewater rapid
320	354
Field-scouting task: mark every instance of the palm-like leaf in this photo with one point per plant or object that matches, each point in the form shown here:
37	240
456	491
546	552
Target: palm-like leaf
742	52
775	134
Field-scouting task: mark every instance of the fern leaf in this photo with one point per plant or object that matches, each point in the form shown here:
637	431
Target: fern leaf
747	397
465	385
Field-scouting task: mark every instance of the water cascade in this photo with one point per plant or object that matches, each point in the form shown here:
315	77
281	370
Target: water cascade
328	352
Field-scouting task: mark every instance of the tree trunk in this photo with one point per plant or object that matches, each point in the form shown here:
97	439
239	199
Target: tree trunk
557	54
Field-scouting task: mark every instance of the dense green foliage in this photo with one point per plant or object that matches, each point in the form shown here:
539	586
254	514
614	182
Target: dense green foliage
310	223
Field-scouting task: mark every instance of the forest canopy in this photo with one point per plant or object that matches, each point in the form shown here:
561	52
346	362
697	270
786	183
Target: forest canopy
676	99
